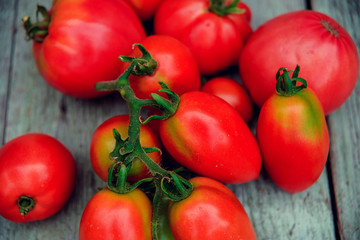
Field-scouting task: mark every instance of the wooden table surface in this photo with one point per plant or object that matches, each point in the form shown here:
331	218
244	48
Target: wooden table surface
330	209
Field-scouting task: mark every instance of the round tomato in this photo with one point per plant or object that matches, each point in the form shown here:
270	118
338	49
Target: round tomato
310	39
103	143
83	43
212	211
216	41
246	8
176	67
294	139
145	9
110	215
209	137
37	177
233	93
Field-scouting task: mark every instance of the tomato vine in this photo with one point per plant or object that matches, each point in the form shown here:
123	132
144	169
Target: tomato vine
167	184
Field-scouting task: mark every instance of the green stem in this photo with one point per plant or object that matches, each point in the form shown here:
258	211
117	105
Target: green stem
26	204
286	86
39	30
131	147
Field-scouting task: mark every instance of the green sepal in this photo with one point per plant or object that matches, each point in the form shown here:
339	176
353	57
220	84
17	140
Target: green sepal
151	149
117	179
144	65
167	106
286	86
176	187
39	30
119	144
219	8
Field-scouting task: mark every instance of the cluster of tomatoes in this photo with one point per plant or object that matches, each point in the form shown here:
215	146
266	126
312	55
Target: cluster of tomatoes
77	45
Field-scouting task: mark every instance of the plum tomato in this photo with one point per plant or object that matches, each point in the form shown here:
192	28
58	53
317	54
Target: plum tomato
110	215
294	140
211	211
208	136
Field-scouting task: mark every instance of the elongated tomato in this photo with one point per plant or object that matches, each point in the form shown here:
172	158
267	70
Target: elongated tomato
209	137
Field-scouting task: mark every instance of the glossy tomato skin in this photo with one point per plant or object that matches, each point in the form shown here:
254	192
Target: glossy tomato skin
294	140
145	9
209	137
84	41
103	143
322	54
176	67
215	41
37	166
109	215
212	211
233	93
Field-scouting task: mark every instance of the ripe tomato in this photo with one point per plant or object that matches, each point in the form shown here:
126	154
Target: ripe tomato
212	211
294	139
145	9
110	215
233	93
216	41
37	172
247	13
209	137
176	67
103	143
317	42
84	41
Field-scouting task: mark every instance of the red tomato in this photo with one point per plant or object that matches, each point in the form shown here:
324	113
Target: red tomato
212	211
216	41
84	41
110	215
294	139
247	13
233	93
209	137
176	67
145	9
35	168
103	143
310	39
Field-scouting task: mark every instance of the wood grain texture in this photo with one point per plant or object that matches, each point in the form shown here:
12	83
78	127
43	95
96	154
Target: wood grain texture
274	213
33	106
345	130
7	29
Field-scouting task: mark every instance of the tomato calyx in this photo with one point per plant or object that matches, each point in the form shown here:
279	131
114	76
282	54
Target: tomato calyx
117	179
286	86
221	9
145	65
26	204
39	30
176	188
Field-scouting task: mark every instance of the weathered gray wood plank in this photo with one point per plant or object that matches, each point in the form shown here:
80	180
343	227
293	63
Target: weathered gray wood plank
7	11
33	106
274	213
345	130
